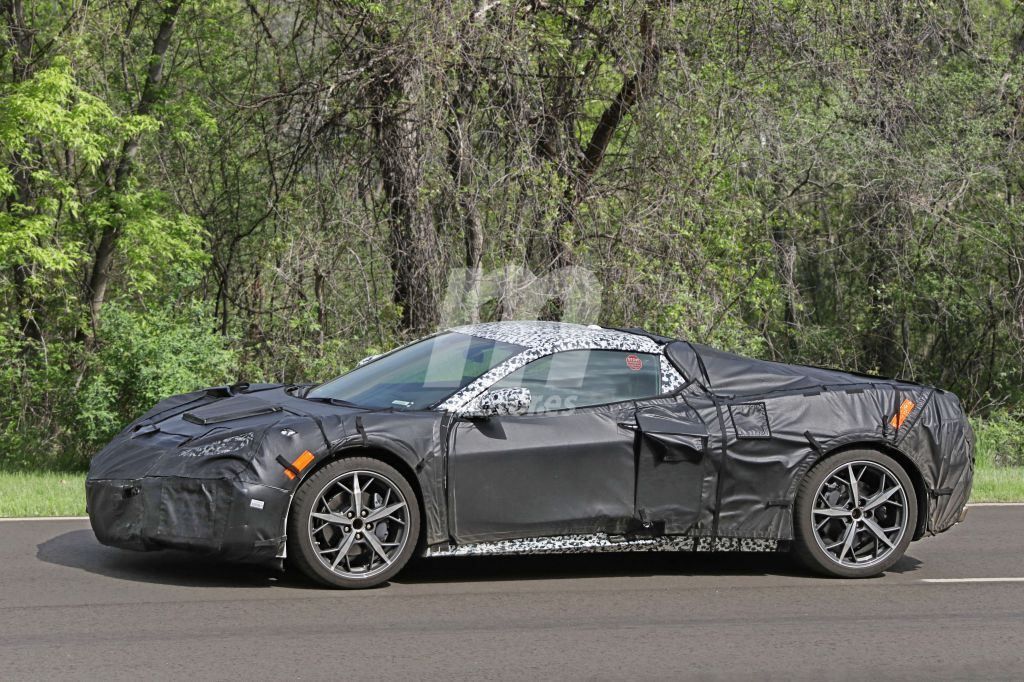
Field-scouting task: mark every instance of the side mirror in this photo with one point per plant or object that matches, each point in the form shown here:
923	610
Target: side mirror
514	401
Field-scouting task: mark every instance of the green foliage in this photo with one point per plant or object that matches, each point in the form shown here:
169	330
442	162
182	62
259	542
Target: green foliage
45	116
145	357
160	245
1000	440
61	409
803	181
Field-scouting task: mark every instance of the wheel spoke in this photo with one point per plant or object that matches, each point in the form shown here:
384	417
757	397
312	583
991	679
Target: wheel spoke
832	511
357	494
851	534
330	518
382	512
854	490
374	543
343	549
842	539
878	532
881	498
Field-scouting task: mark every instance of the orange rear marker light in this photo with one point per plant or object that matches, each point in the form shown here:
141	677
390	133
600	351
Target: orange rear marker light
300	463
906	407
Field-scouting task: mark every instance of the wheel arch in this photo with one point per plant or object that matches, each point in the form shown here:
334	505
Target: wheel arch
371	451
905	461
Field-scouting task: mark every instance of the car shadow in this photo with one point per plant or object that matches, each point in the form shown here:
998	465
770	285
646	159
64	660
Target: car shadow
601	565
614	565
79	549
907	564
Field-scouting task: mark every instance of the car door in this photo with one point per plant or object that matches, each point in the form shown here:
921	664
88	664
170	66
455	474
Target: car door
566	467
671	466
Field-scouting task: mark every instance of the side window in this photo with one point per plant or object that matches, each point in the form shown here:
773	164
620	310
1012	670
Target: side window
579	378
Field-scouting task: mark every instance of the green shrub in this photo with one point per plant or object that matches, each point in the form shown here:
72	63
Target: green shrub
59	411
145	357
1000	440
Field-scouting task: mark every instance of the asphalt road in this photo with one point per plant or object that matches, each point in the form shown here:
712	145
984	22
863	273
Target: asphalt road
72	609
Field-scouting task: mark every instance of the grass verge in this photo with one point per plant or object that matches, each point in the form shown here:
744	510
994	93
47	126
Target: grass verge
63	494
1002	484
30	493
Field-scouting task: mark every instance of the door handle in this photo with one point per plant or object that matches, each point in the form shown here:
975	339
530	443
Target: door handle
628	425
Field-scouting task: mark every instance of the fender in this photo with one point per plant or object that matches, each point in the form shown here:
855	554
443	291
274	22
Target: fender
353	445
856	442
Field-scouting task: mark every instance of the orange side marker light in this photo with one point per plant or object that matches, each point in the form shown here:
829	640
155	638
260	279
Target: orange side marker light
300	463
906	407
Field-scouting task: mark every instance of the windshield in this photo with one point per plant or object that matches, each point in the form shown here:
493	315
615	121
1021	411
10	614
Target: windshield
419	375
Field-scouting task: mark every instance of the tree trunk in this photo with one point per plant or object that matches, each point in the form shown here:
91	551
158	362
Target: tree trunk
557	251
99	277
461	164
22	69
414	242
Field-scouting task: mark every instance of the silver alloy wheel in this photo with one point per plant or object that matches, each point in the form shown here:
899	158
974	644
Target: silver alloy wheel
359	524
859	514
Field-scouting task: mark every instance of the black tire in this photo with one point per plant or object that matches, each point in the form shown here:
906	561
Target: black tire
819	521
309	542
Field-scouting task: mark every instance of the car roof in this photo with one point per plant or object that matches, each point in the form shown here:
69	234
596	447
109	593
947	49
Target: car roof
551	336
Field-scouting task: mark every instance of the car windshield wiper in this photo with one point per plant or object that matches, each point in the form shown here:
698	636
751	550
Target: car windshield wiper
332	401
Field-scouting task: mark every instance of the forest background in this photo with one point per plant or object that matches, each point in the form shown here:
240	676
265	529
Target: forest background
195	193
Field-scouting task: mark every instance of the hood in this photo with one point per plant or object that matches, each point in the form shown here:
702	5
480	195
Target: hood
232	431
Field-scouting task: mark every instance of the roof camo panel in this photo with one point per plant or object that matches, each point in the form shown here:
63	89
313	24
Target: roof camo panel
556	336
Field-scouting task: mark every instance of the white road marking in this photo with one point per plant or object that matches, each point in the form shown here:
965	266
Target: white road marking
972	580
44	518
996	504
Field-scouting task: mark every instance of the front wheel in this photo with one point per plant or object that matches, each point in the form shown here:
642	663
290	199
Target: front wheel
855	515
354	524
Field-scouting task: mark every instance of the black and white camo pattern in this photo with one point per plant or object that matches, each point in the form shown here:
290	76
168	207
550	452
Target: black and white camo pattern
558	336
499	402
599	542
671	379
544	338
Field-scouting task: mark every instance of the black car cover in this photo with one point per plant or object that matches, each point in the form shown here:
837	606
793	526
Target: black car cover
719	456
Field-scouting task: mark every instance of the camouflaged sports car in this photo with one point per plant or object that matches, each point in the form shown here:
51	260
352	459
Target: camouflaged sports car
540	437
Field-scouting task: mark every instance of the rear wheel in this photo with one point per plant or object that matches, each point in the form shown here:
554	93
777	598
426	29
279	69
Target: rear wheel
353	524
855	515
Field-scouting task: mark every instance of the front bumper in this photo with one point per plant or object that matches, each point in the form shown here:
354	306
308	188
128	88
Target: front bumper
235	520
